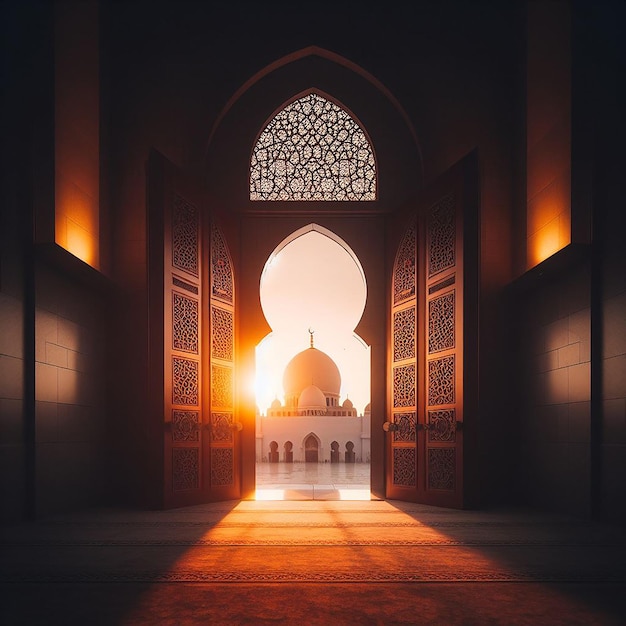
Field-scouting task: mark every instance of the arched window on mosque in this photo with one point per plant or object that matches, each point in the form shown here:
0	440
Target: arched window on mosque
312	149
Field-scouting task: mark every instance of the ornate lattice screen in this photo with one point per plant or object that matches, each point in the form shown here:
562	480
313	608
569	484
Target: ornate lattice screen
404	365
222	325
312	150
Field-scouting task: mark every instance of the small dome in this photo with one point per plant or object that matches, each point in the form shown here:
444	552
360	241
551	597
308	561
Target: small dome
276	404
312	367
368	408
312	398
347	404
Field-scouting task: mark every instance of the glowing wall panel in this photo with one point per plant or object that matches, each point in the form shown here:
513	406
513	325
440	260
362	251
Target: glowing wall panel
77	161
548	133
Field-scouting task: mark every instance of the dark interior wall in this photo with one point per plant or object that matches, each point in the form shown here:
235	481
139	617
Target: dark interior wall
53	421
571	310
605	69
70	392
13	451
555	391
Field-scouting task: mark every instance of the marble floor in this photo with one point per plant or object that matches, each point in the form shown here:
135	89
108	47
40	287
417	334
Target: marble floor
313	481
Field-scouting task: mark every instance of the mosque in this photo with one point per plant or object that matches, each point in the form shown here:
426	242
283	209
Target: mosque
313	426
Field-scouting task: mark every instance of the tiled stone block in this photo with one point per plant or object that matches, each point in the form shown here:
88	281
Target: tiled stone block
556	335
614	377
71	335
46	331
614	332
579	422
568	355
69	386
613	481
56	355
46	382
579	382
11	334
12	483
11	421
614	421
547	361
47	427
11	377
557	386
579	325
78	361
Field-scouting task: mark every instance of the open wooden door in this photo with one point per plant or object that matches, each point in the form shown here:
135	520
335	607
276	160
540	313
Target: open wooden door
432	397
192	343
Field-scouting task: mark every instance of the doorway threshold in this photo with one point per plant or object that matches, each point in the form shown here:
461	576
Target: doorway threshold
314	492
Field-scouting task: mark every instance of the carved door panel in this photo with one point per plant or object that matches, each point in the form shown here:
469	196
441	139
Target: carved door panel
192	343
433	356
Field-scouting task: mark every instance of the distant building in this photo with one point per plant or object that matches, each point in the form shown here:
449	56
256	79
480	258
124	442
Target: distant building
313	425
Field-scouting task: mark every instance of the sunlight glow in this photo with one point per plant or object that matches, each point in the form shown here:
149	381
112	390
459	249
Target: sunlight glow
313	281
309	493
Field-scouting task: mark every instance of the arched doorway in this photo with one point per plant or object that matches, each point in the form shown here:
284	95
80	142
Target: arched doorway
264	222
374	229
313	380
311	449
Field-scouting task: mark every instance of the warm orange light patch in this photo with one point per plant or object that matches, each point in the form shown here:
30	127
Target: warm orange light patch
76	223
544	243
548	235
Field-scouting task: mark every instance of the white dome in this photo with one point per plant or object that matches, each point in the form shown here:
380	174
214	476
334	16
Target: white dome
312	398
276	404
312	367
347	404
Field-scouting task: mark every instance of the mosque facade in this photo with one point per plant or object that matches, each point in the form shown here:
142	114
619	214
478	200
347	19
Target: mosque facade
313	425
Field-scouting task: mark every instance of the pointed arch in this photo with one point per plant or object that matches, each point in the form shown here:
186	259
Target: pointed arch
311	444
312	51
313	148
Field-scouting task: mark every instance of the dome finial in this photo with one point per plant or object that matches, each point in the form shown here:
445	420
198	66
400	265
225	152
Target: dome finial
311	333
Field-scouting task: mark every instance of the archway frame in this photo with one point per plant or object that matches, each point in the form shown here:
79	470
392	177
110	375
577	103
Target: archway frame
359	224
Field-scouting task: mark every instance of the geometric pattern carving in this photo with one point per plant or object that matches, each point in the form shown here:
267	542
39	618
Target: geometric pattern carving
442	426
221	334
185	323
312	150
185	236
404	467
221	270
184	381
404	334
221	427
185	426
441	468
441	381
441	323
185	468
406	427
441	235
404	268
222	466
404	386
221	386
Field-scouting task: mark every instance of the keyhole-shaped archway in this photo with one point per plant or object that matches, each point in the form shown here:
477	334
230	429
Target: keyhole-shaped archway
313	289
313	281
